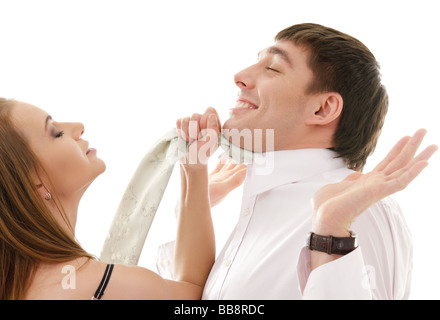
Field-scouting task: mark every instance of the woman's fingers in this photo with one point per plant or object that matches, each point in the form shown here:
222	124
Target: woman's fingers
204	118
183	129
226	169
194	126
220	165
189	128
213	123
237	176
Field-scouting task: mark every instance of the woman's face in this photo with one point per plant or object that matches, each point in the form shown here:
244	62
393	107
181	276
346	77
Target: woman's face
70	163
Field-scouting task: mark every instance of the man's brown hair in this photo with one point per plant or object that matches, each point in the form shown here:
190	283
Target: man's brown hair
343	64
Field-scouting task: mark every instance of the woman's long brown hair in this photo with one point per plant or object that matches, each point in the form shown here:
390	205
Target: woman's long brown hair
29	234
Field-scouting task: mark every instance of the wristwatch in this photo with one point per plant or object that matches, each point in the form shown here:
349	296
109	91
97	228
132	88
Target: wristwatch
332	245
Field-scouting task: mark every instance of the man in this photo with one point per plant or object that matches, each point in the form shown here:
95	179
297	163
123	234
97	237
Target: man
320	91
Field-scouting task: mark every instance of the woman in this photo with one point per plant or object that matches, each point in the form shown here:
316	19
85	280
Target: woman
45	168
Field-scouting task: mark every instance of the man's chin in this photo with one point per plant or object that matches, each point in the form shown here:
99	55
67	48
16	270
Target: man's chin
256	140
233	124
232	127
237	135
227	125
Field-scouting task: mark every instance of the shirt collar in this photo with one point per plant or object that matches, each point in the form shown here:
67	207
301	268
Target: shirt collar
273	169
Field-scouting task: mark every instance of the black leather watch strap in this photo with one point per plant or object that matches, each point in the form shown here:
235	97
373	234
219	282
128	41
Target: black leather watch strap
332	245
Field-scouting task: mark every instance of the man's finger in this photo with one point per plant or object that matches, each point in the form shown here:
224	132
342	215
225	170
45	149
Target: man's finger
407	153
398	147
426	154
403	177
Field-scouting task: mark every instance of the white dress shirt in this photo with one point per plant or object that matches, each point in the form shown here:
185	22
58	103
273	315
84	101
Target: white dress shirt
265	256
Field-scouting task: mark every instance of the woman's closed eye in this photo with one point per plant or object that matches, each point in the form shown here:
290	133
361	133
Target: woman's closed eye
59	134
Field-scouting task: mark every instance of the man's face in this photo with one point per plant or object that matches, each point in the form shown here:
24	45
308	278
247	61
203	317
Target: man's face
273	96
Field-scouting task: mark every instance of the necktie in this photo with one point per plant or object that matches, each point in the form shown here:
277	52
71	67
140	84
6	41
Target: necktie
143	194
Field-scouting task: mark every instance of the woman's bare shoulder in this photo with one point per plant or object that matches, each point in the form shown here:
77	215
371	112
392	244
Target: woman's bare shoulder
79	279
134	282
68	280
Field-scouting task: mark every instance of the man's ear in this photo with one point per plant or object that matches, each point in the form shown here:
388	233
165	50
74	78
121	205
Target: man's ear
328	110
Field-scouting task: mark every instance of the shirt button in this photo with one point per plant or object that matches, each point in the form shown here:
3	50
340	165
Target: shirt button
246	212
227	262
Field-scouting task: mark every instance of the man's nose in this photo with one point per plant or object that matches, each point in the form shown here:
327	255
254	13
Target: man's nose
245	79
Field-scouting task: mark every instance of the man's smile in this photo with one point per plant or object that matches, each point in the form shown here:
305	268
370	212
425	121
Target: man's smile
243	105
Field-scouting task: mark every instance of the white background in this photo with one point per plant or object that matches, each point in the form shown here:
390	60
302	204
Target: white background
128	69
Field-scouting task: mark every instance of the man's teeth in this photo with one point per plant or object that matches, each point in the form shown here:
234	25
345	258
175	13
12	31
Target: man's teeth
244	105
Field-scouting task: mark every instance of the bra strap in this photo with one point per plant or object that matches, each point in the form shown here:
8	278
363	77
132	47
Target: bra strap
104	281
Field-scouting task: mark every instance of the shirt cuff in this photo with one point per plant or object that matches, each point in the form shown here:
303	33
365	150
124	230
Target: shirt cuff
343	278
